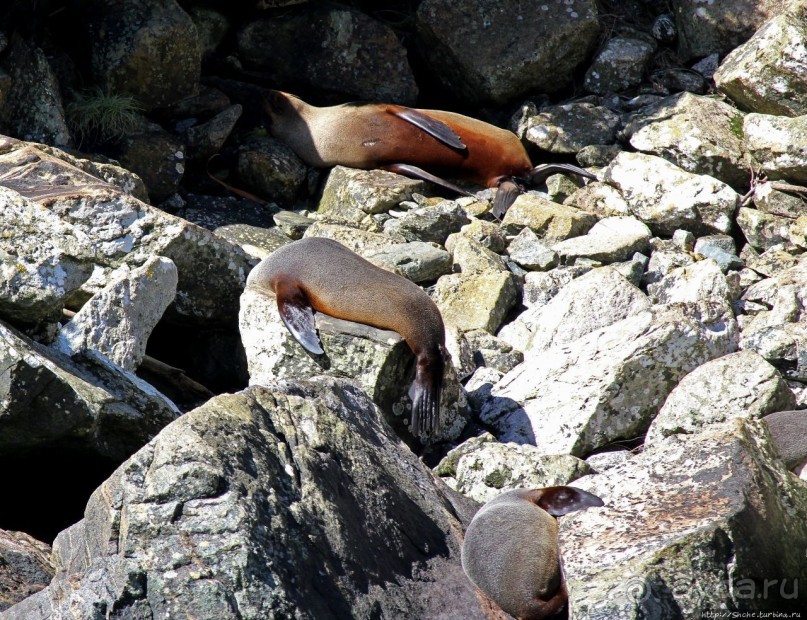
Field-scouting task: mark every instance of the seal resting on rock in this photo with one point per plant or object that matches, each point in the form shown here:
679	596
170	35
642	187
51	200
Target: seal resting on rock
510	550
412	142
323	275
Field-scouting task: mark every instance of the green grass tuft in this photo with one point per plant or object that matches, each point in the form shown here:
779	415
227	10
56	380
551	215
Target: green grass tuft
98	115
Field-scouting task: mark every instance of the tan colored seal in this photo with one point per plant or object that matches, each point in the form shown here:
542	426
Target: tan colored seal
323	275
426	144
510	550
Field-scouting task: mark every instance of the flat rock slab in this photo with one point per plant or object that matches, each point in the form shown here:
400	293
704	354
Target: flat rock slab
711	522
289	501
25	567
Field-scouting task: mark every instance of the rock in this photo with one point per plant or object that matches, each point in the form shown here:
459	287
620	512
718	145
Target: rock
772	201
597	155
487	233
667	198
257	528
149	50
694	283
547	219
798	232
645	355
25	567
379	361
360	241
596	299
725	260
672	80
768	74
610	240
349	194
211	28
416	261
271	170
32	108
707	66
720	242
429	223
48	398
121	229
763	230
529	252
539	288
599	199
738	385
118	320
475	300
335	50
480	384
685	240
656	548
206	139
496	52
470	256
664	260
777	143
559	187
619	66
701	135
568	128
492	352
606	460
157	157
485	469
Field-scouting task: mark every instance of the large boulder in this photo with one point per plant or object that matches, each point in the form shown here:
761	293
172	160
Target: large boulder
25	567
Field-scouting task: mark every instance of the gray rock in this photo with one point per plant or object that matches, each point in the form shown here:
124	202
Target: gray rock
725	260
484	470
652	552
599	199
772	261
528	251
694	283
701	135
540	287
292	224
798	232
493	352
416	261
157	157
663	261
568	128
206	139
497	51
360	241
685	240
32	107
597	155
722	242
147	49
547	219
777	142
266	504
610	240
331	49
379	361
270	169
475	300
560	186
620	65
645	355
595	300
211	28
738	385
479	386
26	567
429	223
470	256
118	320
634	269
487	233
667	198
602	461
775	202
768	73
49	398
763	230
707	66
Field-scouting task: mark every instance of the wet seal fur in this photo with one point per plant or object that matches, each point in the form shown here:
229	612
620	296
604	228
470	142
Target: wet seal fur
323	275
425	144
510	550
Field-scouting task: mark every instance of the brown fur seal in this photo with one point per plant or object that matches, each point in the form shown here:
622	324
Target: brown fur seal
323	275
510	550
788	430
410	142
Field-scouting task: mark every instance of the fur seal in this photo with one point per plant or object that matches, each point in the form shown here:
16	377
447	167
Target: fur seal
510	550
409	141
323	275
788	430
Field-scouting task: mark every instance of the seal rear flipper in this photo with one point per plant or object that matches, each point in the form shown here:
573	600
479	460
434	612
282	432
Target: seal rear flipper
418	173
562	500
432	126
505	196
539	174
297	315
541	609
425	394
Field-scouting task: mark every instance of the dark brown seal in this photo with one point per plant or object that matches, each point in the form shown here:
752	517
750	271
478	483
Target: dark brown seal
510	550
323	275
425	144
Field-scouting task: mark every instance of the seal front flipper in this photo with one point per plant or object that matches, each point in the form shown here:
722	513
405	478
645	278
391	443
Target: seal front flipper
435	128
559	501
505	196
409	170
297	315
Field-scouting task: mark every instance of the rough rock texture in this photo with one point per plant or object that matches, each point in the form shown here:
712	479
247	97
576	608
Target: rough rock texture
693	283
778	143
206	139
692	526
379	361
737	385
645	355
25	567
342	52
87	401
118	320
768	74
270	169
763	230
475	300
293	501
666	198
568	128
489	50
547	219
417	261
148	49
610	240
702	135
619	66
